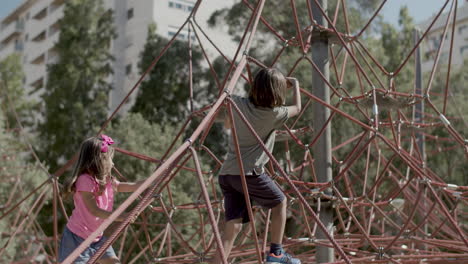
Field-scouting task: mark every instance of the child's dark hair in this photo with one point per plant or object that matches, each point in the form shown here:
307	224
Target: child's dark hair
93	161
268	89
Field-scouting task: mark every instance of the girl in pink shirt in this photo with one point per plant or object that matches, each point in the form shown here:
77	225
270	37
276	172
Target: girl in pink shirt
93	189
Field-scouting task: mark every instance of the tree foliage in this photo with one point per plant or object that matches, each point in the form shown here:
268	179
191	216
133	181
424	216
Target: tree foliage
11	84
76	94
136	134
164	96
18	176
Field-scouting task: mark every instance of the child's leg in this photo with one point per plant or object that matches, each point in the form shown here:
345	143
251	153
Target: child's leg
278	222
231	230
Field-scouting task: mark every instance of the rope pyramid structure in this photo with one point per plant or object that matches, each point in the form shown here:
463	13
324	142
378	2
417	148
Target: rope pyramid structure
386	202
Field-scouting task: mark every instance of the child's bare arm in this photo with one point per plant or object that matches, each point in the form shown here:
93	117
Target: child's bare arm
90	203
295	109
129	186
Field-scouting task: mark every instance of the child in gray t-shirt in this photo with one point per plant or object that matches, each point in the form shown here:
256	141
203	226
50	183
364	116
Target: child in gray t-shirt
264	110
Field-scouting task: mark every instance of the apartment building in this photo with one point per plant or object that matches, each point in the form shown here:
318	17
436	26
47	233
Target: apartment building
132	20
33	28
435	35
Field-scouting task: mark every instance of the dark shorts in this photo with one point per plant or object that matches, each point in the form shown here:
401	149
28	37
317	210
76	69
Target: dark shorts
262	190
70	242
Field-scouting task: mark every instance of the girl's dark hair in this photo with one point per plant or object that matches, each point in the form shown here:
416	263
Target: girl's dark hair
93	162
269	88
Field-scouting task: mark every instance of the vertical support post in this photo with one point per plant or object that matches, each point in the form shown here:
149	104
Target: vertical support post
322	148
418	115
419	107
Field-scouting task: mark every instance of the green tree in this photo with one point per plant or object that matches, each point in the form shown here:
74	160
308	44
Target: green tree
11	84
136	134
76	94
164	97
447	157
397	44
18	177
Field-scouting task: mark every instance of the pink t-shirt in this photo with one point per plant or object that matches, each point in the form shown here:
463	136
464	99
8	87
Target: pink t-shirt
82	222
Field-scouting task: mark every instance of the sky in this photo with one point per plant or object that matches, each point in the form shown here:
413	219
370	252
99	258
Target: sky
419	9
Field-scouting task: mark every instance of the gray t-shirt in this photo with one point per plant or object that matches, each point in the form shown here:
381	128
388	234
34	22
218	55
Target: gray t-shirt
265	121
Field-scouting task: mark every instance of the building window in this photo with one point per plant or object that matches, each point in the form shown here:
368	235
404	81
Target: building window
464	49
128	69
181	36
130	14
181	6
462	28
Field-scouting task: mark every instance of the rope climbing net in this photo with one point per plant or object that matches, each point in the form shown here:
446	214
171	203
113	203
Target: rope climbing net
387	202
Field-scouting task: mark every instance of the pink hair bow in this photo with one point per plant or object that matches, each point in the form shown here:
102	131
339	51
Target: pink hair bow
106	141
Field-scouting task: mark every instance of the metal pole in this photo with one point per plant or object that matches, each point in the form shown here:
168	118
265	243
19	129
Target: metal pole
419	107
322	148
418	112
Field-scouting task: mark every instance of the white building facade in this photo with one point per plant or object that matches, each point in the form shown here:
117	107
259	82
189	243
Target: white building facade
435	35
33	28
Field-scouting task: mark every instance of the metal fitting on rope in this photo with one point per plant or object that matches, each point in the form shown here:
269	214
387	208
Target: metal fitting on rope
189	141
425	180
375	109
407	234
452	187
335	203
225	90
315	192
386	93
201	257
444	120
286	43
380	253
423	164
157	196
292	200
246	53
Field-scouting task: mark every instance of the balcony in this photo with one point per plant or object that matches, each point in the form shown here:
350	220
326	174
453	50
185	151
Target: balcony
39	59
34	73
55	14
56	4
40	37
41	14
11	30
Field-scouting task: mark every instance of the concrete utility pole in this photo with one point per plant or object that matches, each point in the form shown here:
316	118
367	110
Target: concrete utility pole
322	148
